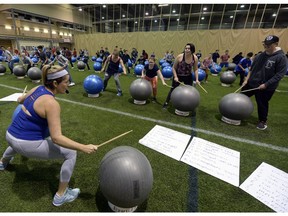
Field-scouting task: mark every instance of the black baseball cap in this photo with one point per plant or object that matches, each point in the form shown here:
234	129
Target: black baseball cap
271	39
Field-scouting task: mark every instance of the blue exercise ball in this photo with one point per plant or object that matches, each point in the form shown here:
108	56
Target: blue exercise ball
129	63
93	84
246	71
52	58
16	111
2	58
199	64
97	66
201	75
78	58
73	59
120	69
167	72
16	59
99	60
165	64
35	60
161	61
138	69
93	58
216	69
146	62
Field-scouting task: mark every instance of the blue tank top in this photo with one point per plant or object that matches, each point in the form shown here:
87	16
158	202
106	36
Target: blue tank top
32	127
113	66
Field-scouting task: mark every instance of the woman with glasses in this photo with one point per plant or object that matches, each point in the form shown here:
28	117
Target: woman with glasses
151	73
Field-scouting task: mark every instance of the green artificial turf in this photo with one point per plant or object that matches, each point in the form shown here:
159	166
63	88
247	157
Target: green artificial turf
28	185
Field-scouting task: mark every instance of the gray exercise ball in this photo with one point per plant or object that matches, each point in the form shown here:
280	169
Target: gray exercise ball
126	177
227	77
236	106
2	69
185	98
35	74
231	66
81	65
19	71
140	90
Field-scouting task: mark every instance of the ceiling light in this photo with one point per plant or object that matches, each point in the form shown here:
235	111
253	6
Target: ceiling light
118	23
155	21
136	22
231	17
65	34
53	32
205	8
178	19
174	11
70	35
202	18
103	17
46	31
123	15
26	28
80	9
8	27
61	33
36	29
146	13
104	6
274	14
163	5
242	6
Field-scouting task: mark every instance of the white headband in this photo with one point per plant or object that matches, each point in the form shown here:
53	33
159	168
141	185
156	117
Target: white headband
52	76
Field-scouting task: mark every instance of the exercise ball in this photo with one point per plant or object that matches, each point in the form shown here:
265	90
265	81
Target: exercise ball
93	58
138	69
185	99
227	78
246	71
215	70
201	75
231	66
35	74
161	61
167	72
2	58
120	69
125	178
78	58
73	59
99	60
165	64
235	107
140	90
286	72
52	58
16	59
93	85
81	65
2	70
146	62
19	71
129	63
35	60
97	66
199	64
16	111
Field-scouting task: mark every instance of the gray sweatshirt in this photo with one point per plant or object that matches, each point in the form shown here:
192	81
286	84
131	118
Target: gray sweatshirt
268	69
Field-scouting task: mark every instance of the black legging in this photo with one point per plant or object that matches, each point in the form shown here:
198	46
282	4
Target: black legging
187	80
28	67
71	63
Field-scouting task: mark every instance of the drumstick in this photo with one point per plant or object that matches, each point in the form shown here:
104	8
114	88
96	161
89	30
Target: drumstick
108	141
181	83
238	89
202	88
24	90
250	89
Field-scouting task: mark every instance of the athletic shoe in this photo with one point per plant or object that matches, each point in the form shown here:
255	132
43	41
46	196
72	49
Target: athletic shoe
165	105
119	94
71	84
262	125
5	164
69	196
154	100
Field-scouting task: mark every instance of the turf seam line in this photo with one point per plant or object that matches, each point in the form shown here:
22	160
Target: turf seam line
199	130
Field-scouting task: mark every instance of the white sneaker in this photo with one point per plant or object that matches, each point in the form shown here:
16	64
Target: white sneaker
69	196
71	84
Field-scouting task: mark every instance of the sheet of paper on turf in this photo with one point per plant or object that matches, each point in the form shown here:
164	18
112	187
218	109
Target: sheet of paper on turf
270	186
214	159
12	97
166	141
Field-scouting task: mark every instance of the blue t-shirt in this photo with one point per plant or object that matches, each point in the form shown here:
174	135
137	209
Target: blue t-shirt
245	63
34	127
151	72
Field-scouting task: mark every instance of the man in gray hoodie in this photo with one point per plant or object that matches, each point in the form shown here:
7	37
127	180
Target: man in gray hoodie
267	69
